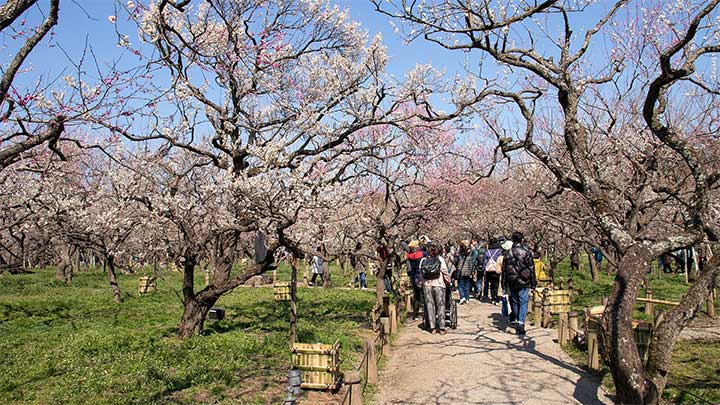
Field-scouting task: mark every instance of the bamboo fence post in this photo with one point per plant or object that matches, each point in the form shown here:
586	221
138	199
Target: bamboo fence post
648	304
537	311
393	318
408	303
593	350
572	325
563	329
372	373
384	328
352	379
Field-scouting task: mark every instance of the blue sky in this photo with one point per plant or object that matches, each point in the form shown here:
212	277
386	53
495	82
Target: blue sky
86	20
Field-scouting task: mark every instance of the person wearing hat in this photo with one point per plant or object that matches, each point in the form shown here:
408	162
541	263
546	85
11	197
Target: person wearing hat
414	255
519	277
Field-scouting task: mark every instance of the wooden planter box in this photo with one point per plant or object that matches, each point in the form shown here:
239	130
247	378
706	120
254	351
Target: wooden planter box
146	285
557	301
282	292
319	365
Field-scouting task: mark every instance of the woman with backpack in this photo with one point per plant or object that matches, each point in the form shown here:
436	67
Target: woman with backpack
493	270
436	279
464	268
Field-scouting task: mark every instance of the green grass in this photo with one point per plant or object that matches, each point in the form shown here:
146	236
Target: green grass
695	374
340	277
72	344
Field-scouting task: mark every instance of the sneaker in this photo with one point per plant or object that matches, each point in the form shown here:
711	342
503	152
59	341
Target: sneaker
520	330
462	301
442	332
433	332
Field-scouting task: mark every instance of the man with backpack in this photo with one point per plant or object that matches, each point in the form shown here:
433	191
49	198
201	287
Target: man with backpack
519	275
478	255
414	255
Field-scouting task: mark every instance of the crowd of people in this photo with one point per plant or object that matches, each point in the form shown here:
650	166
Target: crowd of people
497	271
485	271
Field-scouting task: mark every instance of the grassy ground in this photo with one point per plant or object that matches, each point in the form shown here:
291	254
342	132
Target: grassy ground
72	344
695	376
340	277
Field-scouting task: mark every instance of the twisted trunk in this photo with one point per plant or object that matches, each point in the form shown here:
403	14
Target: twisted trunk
110	267
675	320
632	384
594	271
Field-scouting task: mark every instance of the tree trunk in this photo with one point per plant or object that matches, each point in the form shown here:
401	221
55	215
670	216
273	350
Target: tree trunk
110	261
326	274
193	318
380	287
196	305
632	384
65	268
293	302
674	320
594	271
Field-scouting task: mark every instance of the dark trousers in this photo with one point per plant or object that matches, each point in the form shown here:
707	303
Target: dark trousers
492	280
322	279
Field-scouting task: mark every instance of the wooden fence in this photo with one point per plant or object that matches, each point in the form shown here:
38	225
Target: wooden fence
569	329
366	373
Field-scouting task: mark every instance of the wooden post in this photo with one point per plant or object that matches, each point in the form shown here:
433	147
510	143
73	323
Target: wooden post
352	379
593	350
605	301
393	319
711	304
274	276
372	373
408	302
537	312
384	328
573	325
386	306
563	329
648	305
546	315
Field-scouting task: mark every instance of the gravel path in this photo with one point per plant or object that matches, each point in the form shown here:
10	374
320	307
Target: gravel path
481	363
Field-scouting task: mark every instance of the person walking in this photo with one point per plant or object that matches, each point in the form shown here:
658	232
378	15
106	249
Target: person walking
317	266
436	278
492	264
478	254
413	259
464	268
358	265
519	277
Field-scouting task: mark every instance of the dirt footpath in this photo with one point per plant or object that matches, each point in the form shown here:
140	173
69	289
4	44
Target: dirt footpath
480	363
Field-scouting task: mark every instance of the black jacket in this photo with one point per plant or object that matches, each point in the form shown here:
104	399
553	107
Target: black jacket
517	259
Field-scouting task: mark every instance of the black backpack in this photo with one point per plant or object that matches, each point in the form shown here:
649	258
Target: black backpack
430	268
519	271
